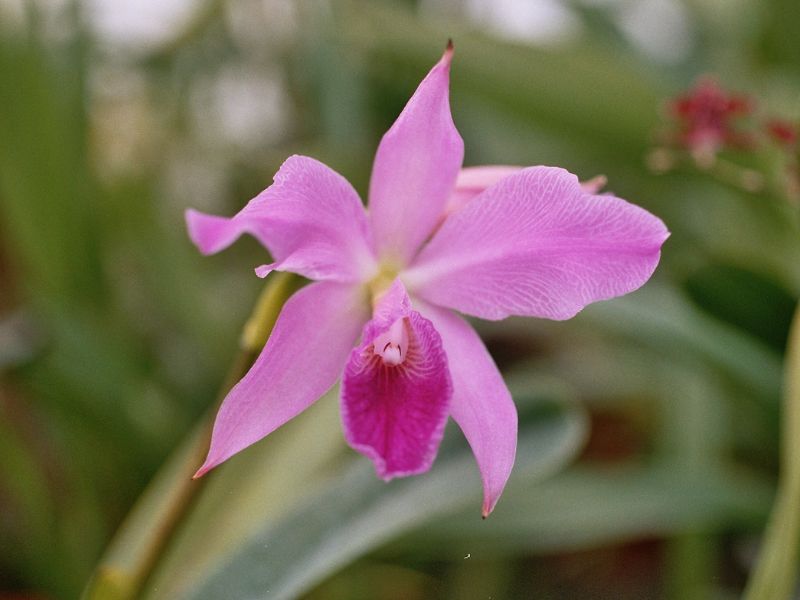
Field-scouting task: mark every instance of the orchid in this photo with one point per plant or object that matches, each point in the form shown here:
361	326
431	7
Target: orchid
709	119
437	240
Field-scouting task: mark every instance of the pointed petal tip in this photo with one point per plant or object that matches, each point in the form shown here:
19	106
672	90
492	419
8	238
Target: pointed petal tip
201	471
482	405
447	57
595	184
209	464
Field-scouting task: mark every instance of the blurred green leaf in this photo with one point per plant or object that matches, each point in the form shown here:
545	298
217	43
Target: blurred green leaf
587	507
525	82
130	559
745	299
31	502
285	543
659	318
781	21
45	184
132	328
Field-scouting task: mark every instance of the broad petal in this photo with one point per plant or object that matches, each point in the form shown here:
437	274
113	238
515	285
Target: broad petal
536	244
415	168
481	404
302	359
396	389
310	219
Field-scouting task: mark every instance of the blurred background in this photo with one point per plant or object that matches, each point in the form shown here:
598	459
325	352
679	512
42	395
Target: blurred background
649	424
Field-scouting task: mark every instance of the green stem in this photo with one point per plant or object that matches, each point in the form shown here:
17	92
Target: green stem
775	575
135	550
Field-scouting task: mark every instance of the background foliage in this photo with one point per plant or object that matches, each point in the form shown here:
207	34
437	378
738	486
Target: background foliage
649	424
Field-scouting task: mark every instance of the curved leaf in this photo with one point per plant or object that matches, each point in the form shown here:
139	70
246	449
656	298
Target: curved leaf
285	552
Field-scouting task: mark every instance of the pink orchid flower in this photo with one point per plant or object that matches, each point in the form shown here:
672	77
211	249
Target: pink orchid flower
488	242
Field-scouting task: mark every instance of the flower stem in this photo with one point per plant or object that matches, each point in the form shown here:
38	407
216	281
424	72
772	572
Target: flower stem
775	575
144	535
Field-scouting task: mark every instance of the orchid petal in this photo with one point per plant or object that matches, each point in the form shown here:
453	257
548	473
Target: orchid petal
595	184
472	181
415	167
302	359
536	244
396	389
212	234
481	404
310	219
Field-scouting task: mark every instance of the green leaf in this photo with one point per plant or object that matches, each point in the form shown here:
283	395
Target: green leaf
591	506
746	299
138	545
249	534
45	180
658	317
